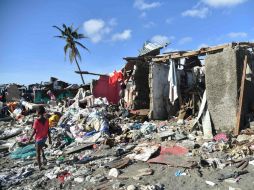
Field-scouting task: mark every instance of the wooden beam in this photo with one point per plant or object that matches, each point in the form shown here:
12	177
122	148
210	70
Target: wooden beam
88	73
202	51
239	113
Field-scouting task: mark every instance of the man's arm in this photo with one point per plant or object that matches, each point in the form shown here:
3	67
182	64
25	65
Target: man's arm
50	142
32	135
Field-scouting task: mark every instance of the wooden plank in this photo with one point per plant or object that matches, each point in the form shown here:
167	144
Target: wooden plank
78	148
202	51
88	73
239	113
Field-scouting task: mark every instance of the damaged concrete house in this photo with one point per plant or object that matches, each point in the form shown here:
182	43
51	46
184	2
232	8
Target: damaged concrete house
179	83
213	84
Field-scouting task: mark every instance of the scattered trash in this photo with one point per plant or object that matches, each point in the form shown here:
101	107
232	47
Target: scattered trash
210	183
99	142
79	179
179	173
221	137
232	175
143	151
113	173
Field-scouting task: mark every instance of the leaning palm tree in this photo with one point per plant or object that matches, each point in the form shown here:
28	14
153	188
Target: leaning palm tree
71	37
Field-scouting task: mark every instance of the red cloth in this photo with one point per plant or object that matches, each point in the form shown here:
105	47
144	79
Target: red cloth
102	88
41	131
176	150
116	77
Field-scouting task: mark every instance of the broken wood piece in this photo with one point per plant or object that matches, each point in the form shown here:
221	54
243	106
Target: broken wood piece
119	163
136	173
173	161
239	113
79	148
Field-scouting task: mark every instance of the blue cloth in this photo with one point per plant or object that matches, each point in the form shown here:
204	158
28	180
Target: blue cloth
41	142
24	152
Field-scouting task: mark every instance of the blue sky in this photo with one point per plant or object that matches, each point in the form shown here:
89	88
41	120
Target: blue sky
116	28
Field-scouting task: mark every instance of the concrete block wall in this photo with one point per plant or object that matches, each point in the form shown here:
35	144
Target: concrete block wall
159	90
223	78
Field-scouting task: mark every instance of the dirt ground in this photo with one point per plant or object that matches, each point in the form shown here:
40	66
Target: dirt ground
162	175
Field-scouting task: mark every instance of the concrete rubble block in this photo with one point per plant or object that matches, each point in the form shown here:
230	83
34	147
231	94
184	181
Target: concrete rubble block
113	173
79	179
223	77
164	135
131	187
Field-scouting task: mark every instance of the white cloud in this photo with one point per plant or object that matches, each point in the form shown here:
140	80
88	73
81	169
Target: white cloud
143	15
126	34
196	12
96	29
142	5
170	50
112	22
149	24
203	45
160	39
237	35
223	3
93	26
169	20
185	40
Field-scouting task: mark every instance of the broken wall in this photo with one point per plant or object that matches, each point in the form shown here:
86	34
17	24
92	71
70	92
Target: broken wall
13	93
223	78
137	91
159	90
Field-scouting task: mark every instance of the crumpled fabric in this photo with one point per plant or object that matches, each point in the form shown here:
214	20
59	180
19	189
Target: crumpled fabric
13	177
146	128
24	152
115	77
220	137
173	82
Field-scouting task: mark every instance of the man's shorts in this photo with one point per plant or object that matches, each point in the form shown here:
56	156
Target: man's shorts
41	142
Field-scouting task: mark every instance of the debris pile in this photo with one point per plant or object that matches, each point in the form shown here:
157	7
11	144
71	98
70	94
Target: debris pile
100	145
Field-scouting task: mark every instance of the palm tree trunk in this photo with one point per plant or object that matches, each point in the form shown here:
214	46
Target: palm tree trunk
79	70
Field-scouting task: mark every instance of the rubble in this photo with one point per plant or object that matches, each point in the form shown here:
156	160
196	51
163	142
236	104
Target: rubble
100	145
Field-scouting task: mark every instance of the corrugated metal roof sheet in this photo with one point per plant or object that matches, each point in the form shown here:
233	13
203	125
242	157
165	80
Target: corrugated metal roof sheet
148	47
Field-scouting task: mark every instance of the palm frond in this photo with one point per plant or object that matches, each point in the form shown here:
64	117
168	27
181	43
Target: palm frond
64	26
74	35
80	36
59	30
77	53
76	30
71	55
63	37
66	47
81	45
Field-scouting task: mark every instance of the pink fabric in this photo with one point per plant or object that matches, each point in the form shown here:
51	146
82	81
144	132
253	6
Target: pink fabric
41	131
221	137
